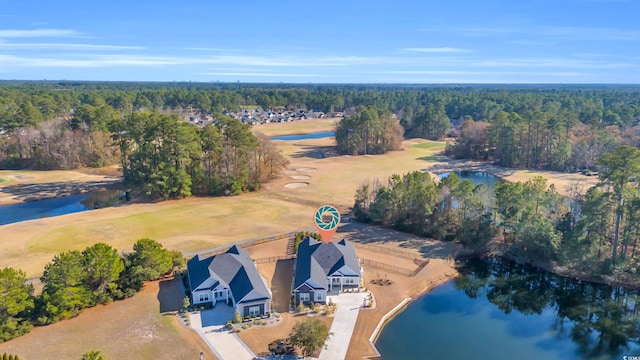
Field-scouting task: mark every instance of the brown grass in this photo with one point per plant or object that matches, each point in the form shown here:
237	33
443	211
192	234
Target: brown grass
297	127
133	328
199	224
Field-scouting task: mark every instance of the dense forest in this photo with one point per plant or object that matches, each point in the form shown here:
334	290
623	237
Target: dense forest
65	124
76	280
596	233
369	131
166	157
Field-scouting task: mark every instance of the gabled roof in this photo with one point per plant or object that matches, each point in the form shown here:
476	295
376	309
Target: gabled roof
316	260
235	268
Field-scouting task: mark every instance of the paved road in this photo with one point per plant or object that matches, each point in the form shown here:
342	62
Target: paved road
210	326
343	324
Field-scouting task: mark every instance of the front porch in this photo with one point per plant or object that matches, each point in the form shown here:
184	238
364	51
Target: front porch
340	283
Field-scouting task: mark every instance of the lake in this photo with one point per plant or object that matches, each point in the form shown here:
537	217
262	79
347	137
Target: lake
497	309
60	206
315	135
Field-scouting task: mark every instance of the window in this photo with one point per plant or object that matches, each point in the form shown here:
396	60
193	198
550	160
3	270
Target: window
204	297
254	310
350	281
304	297
318	296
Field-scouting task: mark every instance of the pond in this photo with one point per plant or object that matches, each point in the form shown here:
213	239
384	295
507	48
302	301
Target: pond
498	309
478	177
60	206
315	135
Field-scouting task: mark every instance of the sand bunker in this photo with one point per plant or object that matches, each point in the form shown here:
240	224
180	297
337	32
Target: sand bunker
296	185
301	177
307	169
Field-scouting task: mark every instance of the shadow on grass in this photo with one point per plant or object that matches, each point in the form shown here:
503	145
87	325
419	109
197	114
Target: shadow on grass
170	295
315	152
30	192
364	233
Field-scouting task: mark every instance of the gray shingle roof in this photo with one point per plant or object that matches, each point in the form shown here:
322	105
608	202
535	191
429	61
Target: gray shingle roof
233	267
316	259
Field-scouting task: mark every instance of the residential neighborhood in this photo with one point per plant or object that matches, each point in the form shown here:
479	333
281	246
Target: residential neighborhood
257	116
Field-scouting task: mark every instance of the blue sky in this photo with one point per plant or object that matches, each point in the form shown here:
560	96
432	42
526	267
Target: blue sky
301	41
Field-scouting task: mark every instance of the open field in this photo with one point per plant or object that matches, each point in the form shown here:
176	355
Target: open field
140	327
285	204
202	223
297	127
186	225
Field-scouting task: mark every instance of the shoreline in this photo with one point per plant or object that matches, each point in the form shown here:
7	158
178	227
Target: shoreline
38	194
562	271
398	309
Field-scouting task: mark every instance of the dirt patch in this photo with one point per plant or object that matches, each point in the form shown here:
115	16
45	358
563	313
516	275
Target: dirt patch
129	329
301	177
296	185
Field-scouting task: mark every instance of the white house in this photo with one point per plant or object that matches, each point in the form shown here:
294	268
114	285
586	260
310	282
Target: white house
232	278
324	267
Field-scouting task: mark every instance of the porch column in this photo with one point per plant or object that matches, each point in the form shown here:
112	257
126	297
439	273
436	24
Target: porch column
341	282
330	284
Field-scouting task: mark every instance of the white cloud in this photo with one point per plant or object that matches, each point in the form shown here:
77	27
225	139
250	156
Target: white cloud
64	46
552	63
38	33
259	74
437	50
113	60
559	32
466	72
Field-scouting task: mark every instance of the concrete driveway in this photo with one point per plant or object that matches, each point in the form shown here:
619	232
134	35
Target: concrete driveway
210	325
343	324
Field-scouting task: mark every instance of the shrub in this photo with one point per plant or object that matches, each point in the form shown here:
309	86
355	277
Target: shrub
301	308
329	310
229	325
236	318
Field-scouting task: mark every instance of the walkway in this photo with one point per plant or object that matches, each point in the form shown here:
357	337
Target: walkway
210	325
343	324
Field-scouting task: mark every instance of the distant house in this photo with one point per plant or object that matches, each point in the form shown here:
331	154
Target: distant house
230	277
324	267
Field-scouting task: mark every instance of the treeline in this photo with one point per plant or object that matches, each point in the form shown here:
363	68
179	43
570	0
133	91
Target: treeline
559	128
77	280
597	232
168	158
370	131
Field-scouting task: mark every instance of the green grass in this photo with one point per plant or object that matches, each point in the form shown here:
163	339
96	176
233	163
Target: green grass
431	145
2	180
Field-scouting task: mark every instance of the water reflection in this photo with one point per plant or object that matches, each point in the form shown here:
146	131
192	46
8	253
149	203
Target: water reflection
315	135
601	320
60	206
497	309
